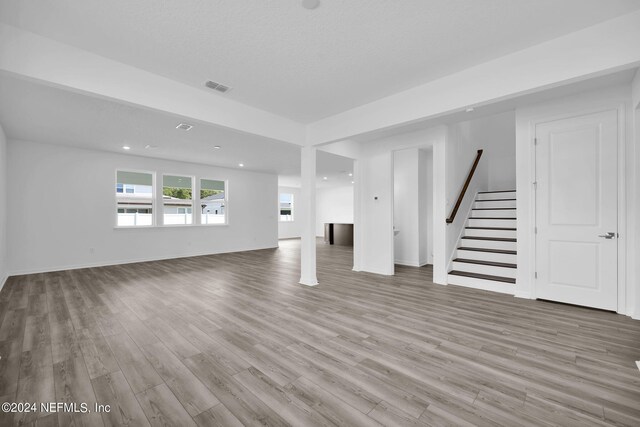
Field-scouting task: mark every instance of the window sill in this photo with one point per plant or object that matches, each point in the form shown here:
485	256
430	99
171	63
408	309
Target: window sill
144	227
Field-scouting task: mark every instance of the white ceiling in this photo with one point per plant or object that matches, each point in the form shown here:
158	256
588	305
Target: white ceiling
307	64
31	111
332	170
34	112
619	78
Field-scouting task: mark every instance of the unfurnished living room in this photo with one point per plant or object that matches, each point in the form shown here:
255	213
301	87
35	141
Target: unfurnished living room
320	213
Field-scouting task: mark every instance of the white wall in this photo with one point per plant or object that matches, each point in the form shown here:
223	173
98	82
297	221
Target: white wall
373	249
290	229
497	136
333	204
406	209
634	223
618	98
62	211
425	179
3	208
411	202
634	178
375	246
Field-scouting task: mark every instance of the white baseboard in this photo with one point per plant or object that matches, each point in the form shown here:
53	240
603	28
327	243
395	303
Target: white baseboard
525	295
406	263
411	264
126	261
377	271
469	282
3	280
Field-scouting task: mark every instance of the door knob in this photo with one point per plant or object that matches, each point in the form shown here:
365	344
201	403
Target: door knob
609	235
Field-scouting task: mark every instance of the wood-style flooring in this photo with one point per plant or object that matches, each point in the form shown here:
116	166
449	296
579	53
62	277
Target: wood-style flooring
233	340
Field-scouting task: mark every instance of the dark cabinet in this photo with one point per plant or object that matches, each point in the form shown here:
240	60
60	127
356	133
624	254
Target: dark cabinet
338	234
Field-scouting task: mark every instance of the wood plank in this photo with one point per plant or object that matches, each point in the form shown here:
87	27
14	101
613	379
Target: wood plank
73	386
113	390
191	393
97	354
245	406
135	367
162	408
327	405
233	339
218	416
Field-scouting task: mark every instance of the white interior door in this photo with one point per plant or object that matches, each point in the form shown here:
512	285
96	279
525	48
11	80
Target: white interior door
576	208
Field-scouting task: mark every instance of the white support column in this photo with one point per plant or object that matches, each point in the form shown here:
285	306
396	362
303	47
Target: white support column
357	215
307	212
440	255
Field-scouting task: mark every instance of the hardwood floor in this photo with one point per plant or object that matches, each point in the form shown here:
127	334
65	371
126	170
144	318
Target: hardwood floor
233	340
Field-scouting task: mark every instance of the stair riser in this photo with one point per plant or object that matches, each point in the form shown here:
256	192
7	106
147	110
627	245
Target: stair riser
489	285
491	213
489	244
510	234
505	223
493	196
486	256
495	204
485	269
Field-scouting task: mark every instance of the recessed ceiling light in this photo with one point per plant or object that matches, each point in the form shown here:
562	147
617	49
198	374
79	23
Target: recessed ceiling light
350	174
184	126
126	147
325	178
468	110
353	182
216	147
241	165
310	4
150	147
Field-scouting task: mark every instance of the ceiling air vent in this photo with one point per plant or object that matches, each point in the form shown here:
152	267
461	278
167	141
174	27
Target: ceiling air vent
184	126
217	86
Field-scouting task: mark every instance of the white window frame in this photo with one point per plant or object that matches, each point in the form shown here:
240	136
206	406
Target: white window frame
193	198
153	197
293	203
225	200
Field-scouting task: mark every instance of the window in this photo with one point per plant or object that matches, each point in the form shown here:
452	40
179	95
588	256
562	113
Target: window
286	207
134	199
177	200
213	201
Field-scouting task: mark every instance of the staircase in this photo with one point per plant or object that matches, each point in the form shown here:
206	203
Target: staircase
486	253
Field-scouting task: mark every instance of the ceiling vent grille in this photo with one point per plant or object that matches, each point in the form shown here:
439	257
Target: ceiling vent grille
217	86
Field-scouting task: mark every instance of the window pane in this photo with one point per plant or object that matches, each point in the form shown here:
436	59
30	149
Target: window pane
134	195
286	207
177	200
213	202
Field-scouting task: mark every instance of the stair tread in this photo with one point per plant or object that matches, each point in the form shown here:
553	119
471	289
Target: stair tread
483	276
499	239
491	228
497	251
498	191
491	263
495	200
487	217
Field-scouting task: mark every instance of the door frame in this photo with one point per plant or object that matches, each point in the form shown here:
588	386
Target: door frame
620	109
